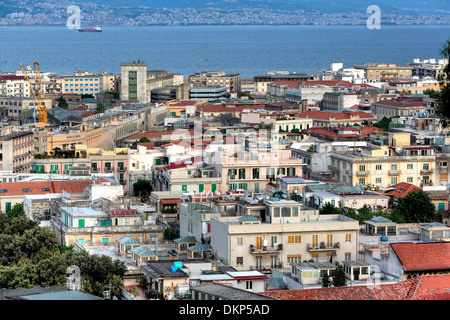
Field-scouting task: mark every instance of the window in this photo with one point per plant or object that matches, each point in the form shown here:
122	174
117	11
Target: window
315	240
393	180
362	181
378	167
294	259
348	237
295	211
410	180
362	167
348	256
426	166
276	212
239	261
286	211
249	285
240	241
26	190
409	166
378	180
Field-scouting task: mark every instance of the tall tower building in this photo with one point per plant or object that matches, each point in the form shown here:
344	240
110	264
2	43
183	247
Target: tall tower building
133	82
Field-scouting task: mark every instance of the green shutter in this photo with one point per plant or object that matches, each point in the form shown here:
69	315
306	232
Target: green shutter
8	207
81	223
201	187
213	187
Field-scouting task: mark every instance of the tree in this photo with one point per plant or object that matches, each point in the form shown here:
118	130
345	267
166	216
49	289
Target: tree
62	103
16	210
383	123
339	279
416	207
329	208
171	233
442	105
326	281
142	189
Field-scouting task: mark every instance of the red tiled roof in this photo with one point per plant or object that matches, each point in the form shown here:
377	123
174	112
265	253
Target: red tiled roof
402	189
429	287
11	77
334	115
329	83
148	145
124	212
41	187
87	114
402	103
423	256
170	201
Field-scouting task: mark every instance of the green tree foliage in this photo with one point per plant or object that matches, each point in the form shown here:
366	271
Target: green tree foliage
98	272
171	234
326	281
416	207
16	210
442	105
383	123
62	103
30	256
329	208
142	188
339	279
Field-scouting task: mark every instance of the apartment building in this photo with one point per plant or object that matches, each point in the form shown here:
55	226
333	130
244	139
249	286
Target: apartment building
14	86
191	175
385	166
81	83
261	81
385	71
216	78
96	160
133	85
21	107
16	152
253	168
286	234
399	107
427	67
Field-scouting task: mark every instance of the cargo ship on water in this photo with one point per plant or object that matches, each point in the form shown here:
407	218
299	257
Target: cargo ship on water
97	29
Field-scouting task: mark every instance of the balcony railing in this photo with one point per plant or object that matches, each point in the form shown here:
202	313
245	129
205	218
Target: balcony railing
266	268
333	168
362	173
323	246
426	171
266	249
394	172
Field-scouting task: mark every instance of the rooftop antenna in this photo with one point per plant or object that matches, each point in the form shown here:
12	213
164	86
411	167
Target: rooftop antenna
206	65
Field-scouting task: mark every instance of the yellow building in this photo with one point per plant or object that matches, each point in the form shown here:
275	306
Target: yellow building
385	166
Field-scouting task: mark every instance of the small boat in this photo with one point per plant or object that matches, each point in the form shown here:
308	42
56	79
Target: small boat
97	29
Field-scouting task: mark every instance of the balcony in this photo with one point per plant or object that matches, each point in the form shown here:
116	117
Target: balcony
266	268
333	168
266	249
394	172
316	247
426	171
362	173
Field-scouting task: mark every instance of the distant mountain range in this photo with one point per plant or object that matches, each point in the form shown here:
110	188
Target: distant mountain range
224	12
309	5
